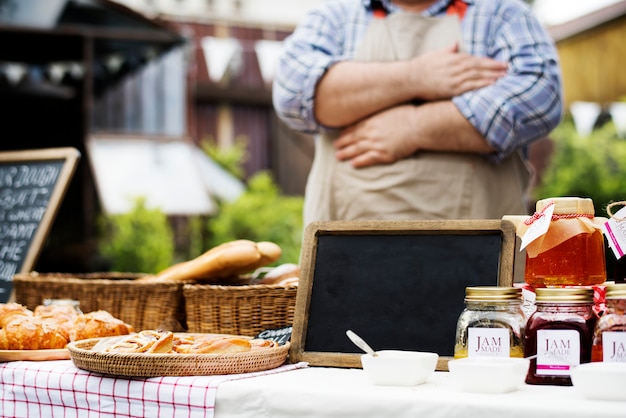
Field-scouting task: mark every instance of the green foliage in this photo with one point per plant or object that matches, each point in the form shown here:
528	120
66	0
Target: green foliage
139	241
229	158
591	166
261	213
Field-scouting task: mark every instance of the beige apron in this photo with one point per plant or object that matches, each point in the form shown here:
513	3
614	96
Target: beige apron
428	185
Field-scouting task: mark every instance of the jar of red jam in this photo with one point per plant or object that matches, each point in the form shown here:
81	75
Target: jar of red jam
609	336
559	334
571	251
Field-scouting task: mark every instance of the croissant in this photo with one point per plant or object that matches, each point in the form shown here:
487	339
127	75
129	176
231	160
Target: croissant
30	333
60	316
98	324
9	310
144	342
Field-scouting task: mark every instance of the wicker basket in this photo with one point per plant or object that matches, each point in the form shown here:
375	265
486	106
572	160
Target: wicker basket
238	310
150	365
142	305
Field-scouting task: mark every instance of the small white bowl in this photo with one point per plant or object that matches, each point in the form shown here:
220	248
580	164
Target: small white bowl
489	374
600	380
398	367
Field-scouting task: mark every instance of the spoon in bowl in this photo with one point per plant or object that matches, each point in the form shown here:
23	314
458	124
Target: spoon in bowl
360	342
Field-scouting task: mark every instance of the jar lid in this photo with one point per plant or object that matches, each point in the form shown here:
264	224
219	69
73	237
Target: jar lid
616	291
567	205
563	294
492	293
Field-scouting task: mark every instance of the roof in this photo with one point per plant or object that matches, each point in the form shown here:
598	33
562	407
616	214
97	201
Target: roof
41	31
588	21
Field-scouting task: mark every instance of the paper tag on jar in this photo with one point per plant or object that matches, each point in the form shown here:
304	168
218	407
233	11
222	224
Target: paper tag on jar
615	232
539	226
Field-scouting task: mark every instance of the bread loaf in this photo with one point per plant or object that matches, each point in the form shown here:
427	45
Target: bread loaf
224	261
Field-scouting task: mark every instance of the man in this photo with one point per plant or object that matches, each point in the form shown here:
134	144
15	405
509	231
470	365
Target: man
423	108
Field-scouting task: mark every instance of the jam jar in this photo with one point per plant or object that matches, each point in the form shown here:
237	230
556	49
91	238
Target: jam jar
559	334
609	336
492	323
571	252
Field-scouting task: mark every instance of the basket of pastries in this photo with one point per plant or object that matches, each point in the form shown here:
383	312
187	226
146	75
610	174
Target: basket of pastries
45	332
231	290
151	353
145	305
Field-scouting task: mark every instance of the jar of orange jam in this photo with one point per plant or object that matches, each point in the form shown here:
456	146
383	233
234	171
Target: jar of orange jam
571	251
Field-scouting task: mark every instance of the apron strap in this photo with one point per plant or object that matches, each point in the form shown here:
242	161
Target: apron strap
456	7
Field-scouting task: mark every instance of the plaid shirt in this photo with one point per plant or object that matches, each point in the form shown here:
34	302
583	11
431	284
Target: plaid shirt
523	106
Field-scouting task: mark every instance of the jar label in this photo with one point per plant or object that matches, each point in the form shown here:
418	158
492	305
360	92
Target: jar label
614	346
615	231
488	342
539	226
557	351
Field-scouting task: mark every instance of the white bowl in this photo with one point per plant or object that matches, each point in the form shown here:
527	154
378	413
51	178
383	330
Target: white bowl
489	374
600	380
398	367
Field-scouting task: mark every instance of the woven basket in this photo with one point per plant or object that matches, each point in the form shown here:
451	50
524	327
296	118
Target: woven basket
143	305
238	310
151	365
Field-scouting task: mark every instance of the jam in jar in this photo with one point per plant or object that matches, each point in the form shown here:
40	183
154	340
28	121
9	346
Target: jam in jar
609	336
559	334
571	252
492	323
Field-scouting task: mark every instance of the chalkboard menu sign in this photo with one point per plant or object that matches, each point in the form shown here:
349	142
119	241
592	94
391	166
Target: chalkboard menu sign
32	185
398	284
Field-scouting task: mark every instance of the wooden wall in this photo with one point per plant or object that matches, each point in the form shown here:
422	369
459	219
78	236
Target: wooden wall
593	62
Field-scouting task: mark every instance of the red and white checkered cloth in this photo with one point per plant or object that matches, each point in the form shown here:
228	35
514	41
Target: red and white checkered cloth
59	389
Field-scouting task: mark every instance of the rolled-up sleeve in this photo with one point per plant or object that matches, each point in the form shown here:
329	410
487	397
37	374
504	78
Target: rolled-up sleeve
315	46
526	104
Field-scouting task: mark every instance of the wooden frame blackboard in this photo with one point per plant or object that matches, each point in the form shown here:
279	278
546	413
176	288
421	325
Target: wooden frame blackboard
32	185
398	284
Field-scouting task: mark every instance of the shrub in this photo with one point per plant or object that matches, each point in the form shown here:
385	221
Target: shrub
591	166
138	241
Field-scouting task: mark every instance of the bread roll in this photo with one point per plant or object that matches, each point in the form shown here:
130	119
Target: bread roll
280	273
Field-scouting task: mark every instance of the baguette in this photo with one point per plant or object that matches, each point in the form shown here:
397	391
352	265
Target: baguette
224	260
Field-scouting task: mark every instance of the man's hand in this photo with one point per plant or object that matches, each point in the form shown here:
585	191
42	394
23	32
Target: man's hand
400	131
383	138
445	73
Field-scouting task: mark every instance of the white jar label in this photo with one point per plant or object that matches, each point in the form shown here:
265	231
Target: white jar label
558	350
488	342
614	346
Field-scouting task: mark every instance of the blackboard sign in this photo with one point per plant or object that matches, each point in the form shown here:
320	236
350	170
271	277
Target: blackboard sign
397	284
32	185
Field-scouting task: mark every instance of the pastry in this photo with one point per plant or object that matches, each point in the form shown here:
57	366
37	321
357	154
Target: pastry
147	341
30	333
98	324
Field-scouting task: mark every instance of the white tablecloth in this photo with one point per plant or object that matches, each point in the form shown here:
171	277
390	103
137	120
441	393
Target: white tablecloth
59	389
344	393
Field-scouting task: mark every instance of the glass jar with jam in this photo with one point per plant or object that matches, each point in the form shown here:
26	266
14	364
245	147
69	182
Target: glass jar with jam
571	251
492	323
609	336
559	334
